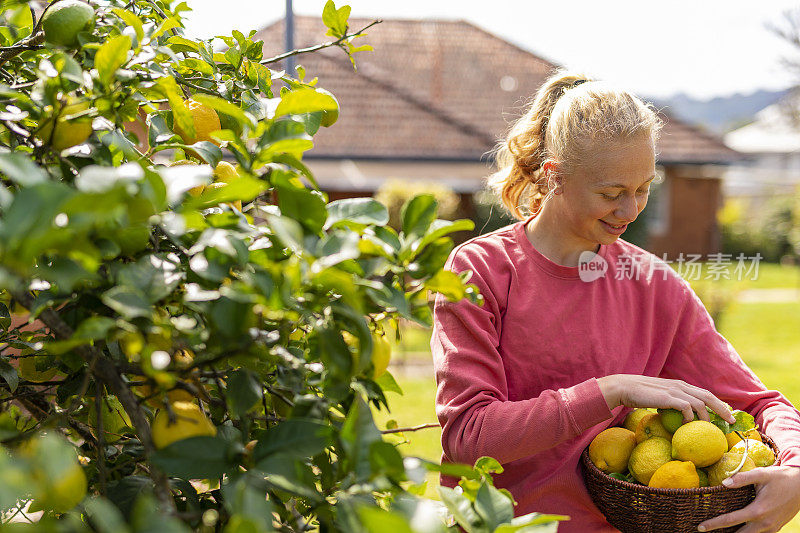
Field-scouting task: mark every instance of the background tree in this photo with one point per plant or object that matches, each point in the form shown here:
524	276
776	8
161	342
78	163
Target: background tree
187	342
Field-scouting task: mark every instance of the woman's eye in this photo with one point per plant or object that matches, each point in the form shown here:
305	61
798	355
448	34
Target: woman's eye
610	197
643	191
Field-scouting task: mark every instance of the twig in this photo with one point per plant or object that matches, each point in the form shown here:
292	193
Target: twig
101	440
314	48
414	428
31	43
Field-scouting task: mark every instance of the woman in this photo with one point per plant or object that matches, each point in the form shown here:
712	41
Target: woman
578	325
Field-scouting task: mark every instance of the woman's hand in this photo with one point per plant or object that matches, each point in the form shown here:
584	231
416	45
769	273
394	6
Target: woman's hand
777	500
645	391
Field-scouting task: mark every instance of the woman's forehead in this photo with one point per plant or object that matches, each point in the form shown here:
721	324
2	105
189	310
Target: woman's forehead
619	163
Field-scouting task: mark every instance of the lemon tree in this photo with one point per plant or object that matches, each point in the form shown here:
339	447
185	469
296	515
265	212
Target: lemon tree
214	328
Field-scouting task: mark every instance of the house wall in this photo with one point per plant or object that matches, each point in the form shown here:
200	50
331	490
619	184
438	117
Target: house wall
695	197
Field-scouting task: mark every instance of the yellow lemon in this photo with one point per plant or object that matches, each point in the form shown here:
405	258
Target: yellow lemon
723	468
733	438
647	457
28	369
650	426
675	475
61	133
205	120
190	421
225	172
633	418
700	442
381	354
760	453
611	449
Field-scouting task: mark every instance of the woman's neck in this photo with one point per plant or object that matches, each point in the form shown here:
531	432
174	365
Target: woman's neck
552	240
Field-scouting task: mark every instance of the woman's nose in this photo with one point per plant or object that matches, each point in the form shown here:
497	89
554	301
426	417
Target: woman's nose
628	210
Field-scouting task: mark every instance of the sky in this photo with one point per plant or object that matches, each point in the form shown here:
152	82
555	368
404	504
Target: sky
703	48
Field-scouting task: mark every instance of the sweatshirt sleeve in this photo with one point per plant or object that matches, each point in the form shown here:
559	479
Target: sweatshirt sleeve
704	358
472	398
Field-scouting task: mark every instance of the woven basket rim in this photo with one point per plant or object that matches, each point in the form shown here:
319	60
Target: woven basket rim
671	492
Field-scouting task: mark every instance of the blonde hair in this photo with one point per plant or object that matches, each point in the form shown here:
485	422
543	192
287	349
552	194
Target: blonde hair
569	114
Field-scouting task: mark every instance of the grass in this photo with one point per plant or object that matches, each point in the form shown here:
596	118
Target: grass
766	335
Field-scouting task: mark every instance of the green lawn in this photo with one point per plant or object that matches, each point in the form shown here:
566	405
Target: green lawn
767	336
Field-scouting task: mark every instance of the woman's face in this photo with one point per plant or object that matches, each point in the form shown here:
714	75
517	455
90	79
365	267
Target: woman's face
607	191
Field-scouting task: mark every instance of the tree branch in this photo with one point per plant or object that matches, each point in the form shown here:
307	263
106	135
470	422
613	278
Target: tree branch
104	370
337	42
414	428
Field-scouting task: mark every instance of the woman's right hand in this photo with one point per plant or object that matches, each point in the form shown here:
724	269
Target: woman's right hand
644	391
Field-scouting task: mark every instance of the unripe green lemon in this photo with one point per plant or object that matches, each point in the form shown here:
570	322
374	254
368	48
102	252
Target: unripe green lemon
115	419
62	22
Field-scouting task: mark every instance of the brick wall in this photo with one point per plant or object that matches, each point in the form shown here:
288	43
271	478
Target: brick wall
693	204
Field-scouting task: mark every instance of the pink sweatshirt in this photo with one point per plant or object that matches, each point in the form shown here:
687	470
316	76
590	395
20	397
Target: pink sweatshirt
516	377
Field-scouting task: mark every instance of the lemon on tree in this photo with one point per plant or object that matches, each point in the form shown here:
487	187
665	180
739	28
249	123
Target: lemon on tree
700	442
60	481
675	475
36	369
64	20
60	130
724	468
611	449
381	354
189	421
647	457
225	173
114	419
205	121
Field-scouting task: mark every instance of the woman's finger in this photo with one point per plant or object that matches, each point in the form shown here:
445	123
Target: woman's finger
750	512
708	398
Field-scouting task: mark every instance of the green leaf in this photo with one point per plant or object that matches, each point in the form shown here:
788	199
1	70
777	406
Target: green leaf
244	501
299	203
104	515
439	228
744	422
305	100
461	509
356	210
95	327
168	87
357	434
194	458
165	26
111	56
488	465
243	391
376	520
532	523
127	301
387	382
19	168
335	19
152	276
131	19
417	214
9	374
180	44
298	437
493	506
448	283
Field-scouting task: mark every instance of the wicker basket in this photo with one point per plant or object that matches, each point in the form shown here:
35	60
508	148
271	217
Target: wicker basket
633	508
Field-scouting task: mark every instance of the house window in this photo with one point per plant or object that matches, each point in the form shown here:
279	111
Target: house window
657	211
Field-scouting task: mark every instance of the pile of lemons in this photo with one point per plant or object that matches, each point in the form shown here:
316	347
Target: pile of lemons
656	448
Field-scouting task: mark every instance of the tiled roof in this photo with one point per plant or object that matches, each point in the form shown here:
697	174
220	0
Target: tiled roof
437	89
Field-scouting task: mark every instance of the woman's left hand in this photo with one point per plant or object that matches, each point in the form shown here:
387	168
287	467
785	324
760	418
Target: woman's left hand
777	500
